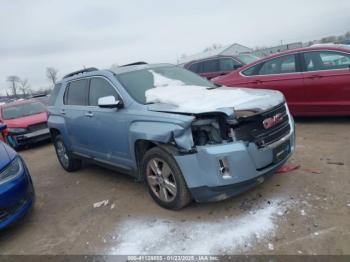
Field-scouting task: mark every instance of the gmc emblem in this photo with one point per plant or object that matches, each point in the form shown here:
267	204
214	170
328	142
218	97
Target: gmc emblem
272	121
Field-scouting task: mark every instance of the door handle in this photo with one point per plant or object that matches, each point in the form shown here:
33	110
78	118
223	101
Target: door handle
256	82
89	114
314	76
63	112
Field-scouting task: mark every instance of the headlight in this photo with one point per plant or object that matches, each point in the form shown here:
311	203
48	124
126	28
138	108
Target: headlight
16	130
15	169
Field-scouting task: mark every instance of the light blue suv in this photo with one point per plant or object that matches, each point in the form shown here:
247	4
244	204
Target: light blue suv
186	137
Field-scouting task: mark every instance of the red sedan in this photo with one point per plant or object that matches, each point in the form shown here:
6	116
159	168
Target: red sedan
26	122
314	80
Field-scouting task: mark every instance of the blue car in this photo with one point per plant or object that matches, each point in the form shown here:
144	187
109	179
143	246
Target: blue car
187	138
16	187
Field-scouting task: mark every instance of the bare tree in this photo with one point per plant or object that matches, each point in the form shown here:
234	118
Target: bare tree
24	86
14	80
51	74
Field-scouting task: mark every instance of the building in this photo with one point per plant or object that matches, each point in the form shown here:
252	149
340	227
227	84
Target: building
233	49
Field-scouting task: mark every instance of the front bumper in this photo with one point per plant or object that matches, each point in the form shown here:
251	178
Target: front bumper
246	166
28	138
17	197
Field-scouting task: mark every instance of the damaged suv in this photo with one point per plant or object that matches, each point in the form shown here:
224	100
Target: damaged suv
187	138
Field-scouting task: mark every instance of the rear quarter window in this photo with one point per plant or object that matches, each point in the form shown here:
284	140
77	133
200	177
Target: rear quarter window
54	94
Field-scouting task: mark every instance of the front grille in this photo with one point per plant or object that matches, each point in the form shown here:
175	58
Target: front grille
36	127
252	128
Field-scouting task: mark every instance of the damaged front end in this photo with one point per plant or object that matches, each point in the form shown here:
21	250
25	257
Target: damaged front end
233	152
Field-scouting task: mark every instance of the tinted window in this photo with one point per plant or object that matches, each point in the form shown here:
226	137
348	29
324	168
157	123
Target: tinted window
54	94
326	60
210	66
280	65
194	68
100	87
22	110
251	70
136	83
227	64
76	93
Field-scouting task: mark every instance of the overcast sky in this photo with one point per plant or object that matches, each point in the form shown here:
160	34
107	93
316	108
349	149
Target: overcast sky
68	35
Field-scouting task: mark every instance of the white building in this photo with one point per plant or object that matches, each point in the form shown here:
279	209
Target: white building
233	49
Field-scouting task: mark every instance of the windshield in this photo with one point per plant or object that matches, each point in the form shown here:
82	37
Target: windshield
22	110
247	59
138	82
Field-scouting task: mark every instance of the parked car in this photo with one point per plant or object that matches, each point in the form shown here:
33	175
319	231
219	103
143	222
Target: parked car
26	122
314	80
187	138
219	65
16	187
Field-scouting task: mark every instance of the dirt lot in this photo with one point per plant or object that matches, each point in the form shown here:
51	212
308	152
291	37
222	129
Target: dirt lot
306	211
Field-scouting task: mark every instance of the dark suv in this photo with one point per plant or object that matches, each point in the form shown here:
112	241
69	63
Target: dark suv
219	65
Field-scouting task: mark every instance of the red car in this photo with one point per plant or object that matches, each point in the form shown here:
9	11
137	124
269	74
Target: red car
314	80
26	122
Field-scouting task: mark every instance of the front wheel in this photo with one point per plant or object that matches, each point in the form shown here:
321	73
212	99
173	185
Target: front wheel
164	179
65	157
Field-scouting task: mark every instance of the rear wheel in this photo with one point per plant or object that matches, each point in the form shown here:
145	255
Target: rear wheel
65	157
164	179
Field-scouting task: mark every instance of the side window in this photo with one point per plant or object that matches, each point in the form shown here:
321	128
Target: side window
326	60
210	66
100	87
227	64
76	93
54	94
279	65
194	68
251	71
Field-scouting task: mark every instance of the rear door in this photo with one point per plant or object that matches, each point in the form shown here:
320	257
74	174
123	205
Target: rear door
283	74
327	82
75	103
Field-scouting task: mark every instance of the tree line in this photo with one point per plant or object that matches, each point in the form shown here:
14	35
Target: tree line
20	87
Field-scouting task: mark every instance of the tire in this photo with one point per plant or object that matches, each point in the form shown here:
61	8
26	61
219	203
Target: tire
65	157
164	179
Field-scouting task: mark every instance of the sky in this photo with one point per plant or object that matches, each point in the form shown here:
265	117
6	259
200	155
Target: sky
69	35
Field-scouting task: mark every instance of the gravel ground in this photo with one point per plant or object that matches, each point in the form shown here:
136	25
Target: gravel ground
305	211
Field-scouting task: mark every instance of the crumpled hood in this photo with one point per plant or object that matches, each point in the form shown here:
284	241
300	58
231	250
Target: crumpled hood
197	99
6	155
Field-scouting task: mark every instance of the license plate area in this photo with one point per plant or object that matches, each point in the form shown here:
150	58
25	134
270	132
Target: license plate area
281	152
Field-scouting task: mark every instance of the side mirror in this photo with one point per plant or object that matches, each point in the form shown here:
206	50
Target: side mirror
2	127
235	67
109	102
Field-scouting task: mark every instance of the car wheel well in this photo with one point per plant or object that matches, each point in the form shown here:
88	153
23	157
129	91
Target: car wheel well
141	147
54	132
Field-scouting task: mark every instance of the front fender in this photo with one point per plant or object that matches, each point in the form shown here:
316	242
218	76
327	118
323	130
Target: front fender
162	133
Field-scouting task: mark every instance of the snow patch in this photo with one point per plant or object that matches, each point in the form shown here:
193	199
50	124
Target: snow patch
226	235
196	99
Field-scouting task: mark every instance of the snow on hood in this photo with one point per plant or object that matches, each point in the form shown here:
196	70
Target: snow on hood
174	96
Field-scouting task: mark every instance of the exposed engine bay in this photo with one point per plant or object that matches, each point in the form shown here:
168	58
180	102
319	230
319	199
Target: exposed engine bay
261	128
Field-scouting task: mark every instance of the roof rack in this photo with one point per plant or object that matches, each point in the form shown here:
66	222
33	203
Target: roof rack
85	70
136	63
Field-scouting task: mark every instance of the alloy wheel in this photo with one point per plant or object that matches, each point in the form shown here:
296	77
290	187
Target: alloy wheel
161	179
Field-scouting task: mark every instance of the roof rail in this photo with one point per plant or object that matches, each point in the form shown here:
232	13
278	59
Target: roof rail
85	70
136	63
